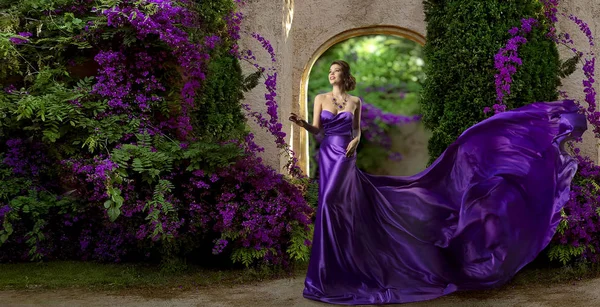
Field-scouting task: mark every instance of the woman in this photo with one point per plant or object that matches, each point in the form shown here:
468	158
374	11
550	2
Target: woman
483	210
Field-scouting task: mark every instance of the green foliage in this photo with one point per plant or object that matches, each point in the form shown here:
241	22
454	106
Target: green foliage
248	255
388	71
369	150
298	250
220	114
8	55
160	206
569	66
49	101
213	13
10	185
142	159
44	110
565	253
128	276
462	39
312	194
32	209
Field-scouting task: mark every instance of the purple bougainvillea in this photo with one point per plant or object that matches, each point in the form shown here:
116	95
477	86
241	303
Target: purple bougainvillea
118	170
580	229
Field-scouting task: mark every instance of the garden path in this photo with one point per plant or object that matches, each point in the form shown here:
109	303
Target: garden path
287	293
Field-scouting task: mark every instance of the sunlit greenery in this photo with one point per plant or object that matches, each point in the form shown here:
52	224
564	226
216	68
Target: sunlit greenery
388	71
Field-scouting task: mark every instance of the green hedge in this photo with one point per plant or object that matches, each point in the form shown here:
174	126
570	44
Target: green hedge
220	115
462	38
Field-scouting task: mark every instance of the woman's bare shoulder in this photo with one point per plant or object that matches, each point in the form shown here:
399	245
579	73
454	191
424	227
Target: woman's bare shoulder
356	99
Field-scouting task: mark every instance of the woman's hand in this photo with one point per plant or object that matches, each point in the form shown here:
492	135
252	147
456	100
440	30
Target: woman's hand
351	148
296	119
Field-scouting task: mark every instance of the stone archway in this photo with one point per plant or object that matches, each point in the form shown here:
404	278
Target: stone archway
301	137
300	31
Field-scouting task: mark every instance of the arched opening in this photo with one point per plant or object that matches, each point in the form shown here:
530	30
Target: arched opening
302	139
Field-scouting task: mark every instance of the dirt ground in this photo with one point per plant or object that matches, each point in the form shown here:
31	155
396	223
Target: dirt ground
288	293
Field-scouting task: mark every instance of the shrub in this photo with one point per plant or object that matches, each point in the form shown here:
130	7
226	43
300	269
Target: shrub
462	37
123	138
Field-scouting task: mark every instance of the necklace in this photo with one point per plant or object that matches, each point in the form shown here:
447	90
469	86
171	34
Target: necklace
342	105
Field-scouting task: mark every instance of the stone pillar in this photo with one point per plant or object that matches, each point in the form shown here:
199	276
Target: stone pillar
589	12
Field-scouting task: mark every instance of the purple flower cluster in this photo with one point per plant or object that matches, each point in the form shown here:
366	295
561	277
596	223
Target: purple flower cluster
582	211
245	205
273	125
252	200
21	39
219	246
234	21
584	28
163	22
90	177
25	158
266	45
3	211
593	114
506	62
550	10
130	84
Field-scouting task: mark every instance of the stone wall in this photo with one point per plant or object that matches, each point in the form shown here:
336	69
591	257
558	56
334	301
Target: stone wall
300	30
589	12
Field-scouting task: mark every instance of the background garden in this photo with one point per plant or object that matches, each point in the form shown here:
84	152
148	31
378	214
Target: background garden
124	135
390	76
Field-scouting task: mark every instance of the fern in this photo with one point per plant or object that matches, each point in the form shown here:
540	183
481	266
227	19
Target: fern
297	249
158	206
142	159
565	253
569	66
563	225
251	81
210	156
247	256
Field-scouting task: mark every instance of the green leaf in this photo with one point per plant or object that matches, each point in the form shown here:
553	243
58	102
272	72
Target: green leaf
113	213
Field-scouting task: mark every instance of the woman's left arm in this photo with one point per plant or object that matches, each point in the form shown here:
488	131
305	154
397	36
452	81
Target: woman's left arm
356	121
351	149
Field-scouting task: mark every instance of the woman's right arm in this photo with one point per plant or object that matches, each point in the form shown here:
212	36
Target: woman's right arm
315	128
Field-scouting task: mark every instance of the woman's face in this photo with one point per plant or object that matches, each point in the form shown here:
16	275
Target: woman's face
335	74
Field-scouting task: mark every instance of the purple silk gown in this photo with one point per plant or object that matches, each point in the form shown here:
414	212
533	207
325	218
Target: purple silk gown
483	210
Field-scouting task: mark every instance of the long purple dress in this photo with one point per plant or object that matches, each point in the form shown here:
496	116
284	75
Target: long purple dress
483	210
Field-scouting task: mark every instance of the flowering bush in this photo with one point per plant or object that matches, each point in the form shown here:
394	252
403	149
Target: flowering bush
123	137
464	35
578	235
579	230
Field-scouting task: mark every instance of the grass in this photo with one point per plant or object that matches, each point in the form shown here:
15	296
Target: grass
545	276
90	275
67	274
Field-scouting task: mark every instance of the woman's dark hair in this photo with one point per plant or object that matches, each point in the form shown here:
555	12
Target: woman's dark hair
349	81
